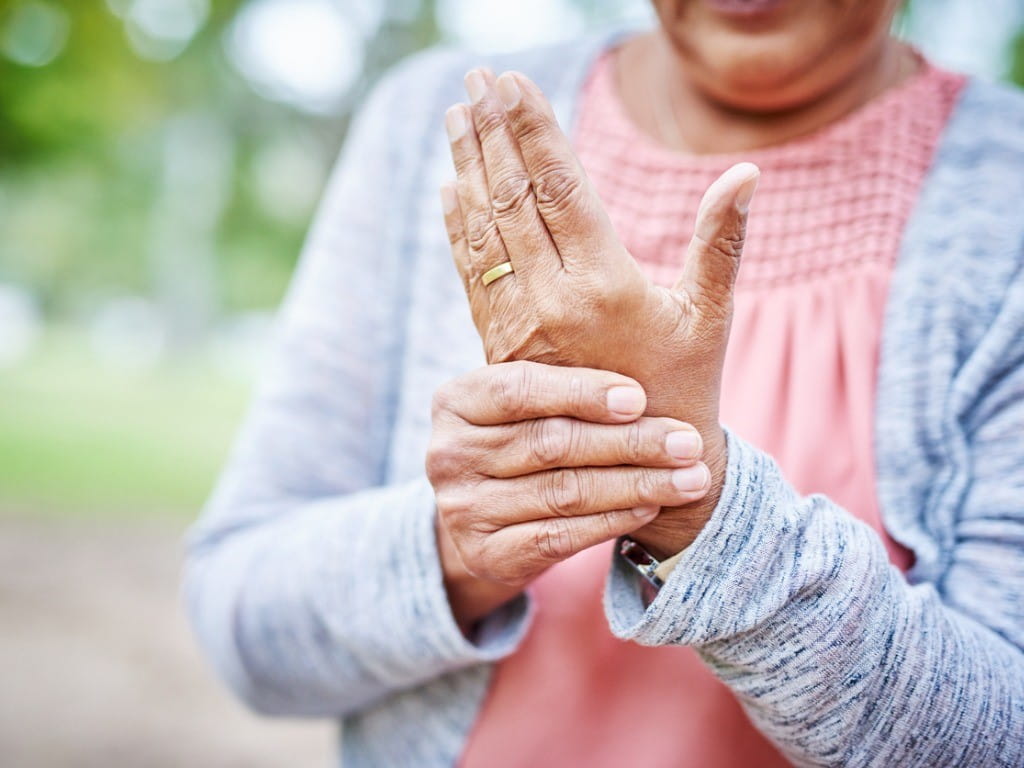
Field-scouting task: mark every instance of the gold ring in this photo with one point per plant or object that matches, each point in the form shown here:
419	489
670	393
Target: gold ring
505	268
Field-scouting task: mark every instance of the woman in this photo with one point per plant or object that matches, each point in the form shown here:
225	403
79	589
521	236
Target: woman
836	579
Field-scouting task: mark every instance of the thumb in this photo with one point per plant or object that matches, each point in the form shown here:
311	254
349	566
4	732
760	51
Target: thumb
713	256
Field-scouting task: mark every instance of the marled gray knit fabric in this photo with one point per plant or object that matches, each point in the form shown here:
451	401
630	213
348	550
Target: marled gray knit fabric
313	577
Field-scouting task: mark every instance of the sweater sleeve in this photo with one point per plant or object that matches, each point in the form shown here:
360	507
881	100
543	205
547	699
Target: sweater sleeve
792	602
314	587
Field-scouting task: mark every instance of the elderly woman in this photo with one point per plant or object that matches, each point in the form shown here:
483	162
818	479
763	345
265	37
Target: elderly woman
592	570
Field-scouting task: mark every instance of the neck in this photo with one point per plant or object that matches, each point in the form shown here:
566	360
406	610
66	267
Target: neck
711	127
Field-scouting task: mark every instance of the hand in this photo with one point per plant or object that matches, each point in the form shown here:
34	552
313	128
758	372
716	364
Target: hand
531	464
577	297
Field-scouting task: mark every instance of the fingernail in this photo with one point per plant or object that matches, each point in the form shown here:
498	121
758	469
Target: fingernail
684	444
476	87
455	122
695	478
508	91
747	190
626	401
448	198
646	512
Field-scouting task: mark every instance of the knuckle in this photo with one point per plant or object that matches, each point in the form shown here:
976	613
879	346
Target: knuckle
473	554
577	394
555	539
512	390
488	121
446	502
532	128
637	438
646	485
548	441
562	491
464	501
481	231
510	193
574	438
730	245
726	244
608	524
455	232
437	465
441	402
446	458
454	506
558	187
466	163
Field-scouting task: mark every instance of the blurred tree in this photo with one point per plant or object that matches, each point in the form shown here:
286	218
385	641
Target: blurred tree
138	165
86	123
1016	73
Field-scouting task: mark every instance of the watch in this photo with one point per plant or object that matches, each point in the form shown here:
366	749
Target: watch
643	562
653	572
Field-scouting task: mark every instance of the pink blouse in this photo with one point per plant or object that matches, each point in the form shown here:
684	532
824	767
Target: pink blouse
799	382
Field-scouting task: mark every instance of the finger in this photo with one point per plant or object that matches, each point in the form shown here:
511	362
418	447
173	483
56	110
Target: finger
538	544
572	492
532	446
713	256
526	238
484	244
517	391
456	231
566	200
479	302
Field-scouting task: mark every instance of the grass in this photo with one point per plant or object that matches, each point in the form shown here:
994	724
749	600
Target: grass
80	440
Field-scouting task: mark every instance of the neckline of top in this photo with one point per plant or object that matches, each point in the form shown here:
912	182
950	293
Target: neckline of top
601	81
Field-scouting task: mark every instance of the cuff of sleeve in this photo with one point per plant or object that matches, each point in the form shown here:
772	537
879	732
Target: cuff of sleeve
417	577
709	595
665	568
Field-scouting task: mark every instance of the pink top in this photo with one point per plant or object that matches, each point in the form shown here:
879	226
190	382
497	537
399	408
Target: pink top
799	382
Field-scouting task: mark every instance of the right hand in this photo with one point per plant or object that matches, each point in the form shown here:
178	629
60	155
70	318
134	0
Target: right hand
532	463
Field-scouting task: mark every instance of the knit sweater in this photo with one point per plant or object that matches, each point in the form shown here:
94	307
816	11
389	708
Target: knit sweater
313	577
798	383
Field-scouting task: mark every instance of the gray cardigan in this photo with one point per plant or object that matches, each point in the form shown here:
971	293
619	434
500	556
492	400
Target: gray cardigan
313	578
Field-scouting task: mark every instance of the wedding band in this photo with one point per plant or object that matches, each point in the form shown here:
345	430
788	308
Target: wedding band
492	274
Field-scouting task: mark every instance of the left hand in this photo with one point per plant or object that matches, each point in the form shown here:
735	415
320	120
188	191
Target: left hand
577	297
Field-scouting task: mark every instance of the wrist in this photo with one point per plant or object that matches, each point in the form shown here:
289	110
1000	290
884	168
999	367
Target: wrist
675	528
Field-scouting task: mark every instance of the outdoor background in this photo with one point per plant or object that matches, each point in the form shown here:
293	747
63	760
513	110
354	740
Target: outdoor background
159	164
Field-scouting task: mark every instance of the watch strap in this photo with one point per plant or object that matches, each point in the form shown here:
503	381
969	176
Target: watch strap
653	572
642	561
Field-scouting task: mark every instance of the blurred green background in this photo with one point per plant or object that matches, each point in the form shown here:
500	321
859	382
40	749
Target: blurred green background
159	164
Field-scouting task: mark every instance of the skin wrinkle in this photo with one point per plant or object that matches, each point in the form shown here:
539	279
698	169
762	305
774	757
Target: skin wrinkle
520	511
573	321
582	321
409	686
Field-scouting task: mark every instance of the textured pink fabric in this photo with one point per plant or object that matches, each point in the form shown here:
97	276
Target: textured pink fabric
799	382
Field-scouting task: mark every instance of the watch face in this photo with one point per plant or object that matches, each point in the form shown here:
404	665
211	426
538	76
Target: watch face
641	560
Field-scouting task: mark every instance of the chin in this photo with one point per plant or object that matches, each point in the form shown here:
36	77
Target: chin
788	54
767	77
